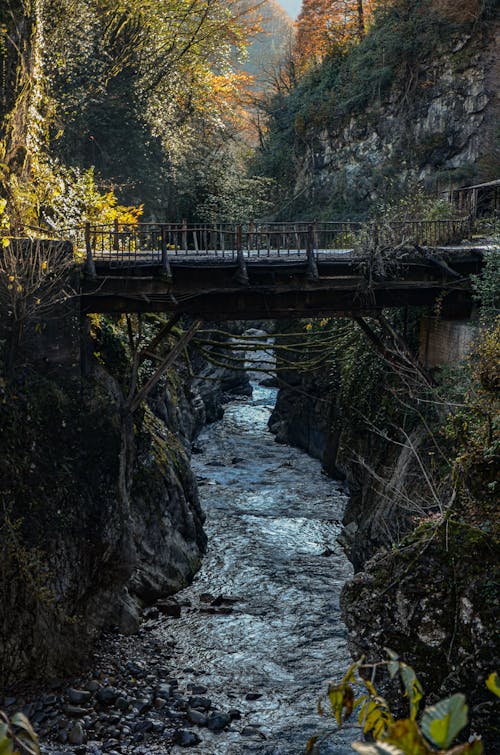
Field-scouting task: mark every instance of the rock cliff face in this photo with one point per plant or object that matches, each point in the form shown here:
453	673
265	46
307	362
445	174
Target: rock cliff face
428	593
435	121
309	413
79	554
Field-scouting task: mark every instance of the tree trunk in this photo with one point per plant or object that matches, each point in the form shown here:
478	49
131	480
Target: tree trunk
361	19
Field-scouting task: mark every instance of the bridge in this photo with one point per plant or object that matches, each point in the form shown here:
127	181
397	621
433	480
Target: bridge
275	270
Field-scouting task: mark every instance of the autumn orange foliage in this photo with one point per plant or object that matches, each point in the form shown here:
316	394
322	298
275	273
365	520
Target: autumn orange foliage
323	24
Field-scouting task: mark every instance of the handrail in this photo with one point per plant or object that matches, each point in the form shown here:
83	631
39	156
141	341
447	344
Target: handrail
157	242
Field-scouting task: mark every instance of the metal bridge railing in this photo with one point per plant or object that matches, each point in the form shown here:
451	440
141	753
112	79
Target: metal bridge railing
158	243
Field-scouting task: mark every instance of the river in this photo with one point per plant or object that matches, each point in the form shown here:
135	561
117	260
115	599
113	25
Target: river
259	632
272	523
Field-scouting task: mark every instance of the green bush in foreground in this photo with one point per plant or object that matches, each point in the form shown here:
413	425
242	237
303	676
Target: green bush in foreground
433	734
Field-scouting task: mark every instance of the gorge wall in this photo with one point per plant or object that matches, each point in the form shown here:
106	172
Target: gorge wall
416	100
79	554
426	592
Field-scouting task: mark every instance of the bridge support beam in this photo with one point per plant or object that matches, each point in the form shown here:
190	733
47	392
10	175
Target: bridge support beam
312	267
242	274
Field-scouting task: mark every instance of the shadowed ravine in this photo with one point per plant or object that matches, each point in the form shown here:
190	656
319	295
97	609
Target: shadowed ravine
272	520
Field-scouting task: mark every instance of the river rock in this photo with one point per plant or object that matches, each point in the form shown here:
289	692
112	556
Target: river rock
135	669
197	689
197	717
200	703
122	703
78	696
141	705
72	711
107	695
164	691
253	695
76	735
169	608
251	731
185	738
218	721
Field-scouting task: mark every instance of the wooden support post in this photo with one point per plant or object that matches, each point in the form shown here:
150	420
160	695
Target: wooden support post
312	267
165	264
167	362
184	236
89	264
242	274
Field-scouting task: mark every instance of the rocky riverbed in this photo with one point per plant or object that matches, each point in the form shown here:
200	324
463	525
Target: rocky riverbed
235	662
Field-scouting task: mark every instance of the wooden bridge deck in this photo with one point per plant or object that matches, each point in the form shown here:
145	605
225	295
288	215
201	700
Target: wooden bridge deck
275	270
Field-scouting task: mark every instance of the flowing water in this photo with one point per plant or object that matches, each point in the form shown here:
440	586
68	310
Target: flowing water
272	523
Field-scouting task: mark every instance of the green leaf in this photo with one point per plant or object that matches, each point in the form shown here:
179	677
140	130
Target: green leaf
469	748
350	675
20	721
413	688
493	683
442	722
406	735
29	746
392	655
6	746
336	697
393	667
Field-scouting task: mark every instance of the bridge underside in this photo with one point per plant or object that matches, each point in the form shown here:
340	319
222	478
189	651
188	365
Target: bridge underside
221	290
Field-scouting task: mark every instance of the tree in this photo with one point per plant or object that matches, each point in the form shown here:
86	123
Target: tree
323	24
35	278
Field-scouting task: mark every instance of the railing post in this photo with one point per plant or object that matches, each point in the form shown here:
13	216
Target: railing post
471	225
242	274
165	264
184	236
89	264
116	237
312	267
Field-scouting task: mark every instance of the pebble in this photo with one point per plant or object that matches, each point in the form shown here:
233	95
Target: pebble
141	705
185	738
78	696
218	721
197	717
253	695
76	735
250	731
201	703
73	711
164	691
107	695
